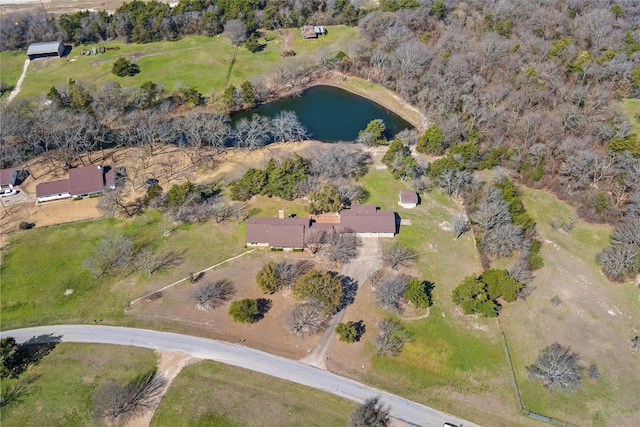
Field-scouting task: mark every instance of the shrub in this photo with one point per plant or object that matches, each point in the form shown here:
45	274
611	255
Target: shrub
24	225
418	292
123	67
348	332
267	278
245	310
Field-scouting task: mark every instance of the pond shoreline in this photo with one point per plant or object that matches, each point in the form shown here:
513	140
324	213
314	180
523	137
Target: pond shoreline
375	93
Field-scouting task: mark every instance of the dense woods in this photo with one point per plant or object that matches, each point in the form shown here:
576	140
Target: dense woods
532	86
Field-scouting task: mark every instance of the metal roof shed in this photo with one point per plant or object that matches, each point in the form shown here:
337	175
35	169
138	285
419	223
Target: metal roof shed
44	49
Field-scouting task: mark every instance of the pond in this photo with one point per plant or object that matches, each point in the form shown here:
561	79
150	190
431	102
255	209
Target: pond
331	114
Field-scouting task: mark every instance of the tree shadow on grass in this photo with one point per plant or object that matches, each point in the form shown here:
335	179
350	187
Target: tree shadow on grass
16	358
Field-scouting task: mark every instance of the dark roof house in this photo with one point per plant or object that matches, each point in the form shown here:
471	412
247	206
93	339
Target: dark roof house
408	199
313	31
82	181
291	233
45	49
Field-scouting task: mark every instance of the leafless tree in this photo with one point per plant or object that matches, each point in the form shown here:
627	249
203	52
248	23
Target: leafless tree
340	161
114	251
115	202
117	402
493	210
286	127
341	246
315	239
389	291
519	270
252	133
557	366
460	224
236	31
619	260
390	339
398	255
211	295
153	262
502	240
627	233
371	413
288	272
306	319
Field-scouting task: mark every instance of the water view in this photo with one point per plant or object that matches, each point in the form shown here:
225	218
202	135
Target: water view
331	114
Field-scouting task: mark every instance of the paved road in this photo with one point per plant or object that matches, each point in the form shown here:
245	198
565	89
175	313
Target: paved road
243	357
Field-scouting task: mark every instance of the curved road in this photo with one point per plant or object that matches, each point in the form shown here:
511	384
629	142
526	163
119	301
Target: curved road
243	357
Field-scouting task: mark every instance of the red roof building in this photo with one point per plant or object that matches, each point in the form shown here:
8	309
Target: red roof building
408	199
83	181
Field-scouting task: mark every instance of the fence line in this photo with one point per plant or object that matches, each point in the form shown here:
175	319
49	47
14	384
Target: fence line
521	409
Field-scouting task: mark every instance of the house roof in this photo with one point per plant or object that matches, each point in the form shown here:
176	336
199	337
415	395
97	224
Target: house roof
368	219
44	47
8	176
281	233
109	176
308	31
407	196
52	187
88	179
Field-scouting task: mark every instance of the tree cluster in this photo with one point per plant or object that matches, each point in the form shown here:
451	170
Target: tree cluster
273	277
621	259
277	179
322	289
479	294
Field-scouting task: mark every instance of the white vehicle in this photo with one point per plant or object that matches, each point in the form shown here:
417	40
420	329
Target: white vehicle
7	193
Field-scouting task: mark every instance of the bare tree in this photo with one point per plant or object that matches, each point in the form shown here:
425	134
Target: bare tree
341	246
252	133
557	366
116	402
154	262
236	31
389	292
619	260
390	339
288	272
502	240
306	319
115	250
315	239
627	232
115	202
340	161
398	255
210	295
371	413
286	127
493	210
460	224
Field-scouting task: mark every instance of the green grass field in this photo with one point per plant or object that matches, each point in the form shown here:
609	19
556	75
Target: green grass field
11	67
197	61
448	355
70	375
39	265
632	108
210	393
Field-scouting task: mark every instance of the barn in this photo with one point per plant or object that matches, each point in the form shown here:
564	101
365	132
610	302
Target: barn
45	49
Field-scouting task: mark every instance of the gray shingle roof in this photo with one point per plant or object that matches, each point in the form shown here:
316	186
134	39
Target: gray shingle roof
44	47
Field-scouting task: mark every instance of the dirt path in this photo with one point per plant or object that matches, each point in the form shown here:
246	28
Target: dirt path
169	365
16	89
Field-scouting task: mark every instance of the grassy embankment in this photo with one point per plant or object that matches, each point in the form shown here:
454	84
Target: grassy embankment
70	375
223	395
196	61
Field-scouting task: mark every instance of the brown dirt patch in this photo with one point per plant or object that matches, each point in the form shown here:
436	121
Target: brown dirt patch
60	6
268	334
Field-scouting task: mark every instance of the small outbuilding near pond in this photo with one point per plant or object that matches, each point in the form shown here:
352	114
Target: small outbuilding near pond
45	49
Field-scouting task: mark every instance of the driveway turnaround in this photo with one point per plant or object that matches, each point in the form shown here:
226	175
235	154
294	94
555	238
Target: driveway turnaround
244	357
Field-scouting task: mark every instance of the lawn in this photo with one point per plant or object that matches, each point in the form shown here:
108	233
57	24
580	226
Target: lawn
196	61
11	67
70	375
33	292
595	317
452	362
632	108
210	393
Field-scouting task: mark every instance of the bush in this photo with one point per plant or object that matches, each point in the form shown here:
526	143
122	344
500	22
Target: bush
324	288
123	67
24	225
267	279
245	310
418	292
350	331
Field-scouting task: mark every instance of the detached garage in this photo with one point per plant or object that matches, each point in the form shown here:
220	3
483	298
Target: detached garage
45	49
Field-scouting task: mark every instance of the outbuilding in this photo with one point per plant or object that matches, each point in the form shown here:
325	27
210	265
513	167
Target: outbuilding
408	199
45	49
8	178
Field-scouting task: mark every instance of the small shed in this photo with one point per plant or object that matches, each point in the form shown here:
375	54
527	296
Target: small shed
408	199
45	49
8	178
313	31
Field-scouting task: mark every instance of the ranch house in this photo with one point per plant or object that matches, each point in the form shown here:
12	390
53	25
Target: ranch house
292	233
83	181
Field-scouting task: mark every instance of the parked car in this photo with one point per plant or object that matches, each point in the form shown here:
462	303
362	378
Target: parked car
7	193
449	425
